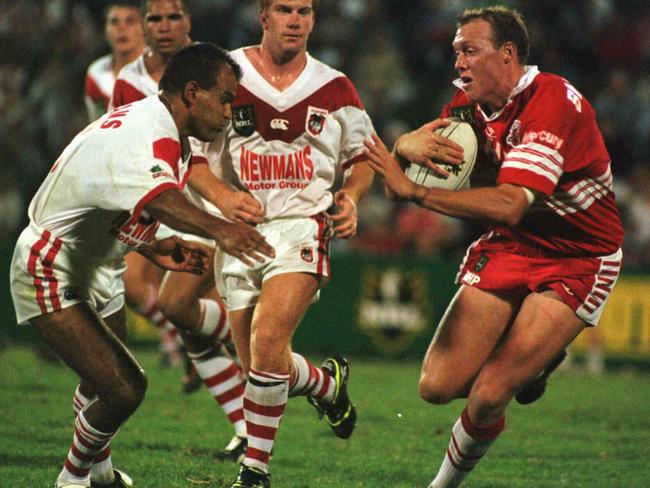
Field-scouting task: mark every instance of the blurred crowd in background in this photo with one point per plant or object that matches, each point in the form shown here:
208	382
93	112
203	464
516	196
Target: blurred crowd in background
397	52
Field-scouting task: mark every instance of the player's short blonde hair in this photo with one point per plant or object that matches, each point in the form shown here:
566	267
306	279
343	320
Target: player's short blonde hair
507	24
264	4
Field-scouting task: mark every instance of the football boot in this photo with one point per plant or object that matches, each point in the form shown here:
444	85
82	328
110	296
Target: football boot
536	388
235	451
250	477
341	415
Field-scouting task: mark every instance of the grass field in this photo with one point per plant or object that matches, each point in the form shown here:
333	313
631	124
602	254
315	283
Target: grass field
585	432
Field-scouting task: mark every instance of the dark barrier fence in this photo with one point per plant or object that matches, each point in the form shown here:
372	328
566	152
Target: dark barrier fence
389	306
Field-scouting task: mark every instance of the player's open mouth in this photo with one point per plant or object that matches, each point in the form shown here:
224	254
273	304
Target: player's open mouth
466	81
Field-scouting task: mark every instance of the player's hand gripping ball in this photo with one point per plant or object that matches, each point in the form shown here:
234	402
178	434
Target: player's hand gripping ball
463	134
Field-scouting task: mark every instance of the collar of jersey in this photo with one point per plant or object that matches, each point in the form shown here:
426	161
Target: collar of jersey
530	72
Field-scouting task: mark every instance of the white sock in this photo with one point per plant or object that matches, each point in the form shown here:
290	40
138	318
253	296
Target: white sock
264	403
308	380
223	379
213	320
87	443
102	469
467	445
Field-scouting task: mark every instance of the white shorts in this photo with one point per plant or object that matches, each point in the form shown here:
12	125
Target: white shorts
302	245
47	276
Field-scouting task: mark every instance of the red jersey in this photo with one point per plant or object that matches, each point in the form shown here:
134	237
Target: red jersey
546	139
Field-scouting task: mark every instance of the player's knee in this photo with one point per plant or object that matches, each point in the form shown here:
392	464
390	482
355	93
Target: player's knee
135	299
265	344
127	398
172	307
435	392
488	399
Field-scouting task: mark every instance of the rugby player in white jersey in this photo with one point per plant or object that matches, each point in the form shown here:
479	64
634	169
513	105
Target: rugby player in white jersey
166	26
189	301
66	274
123	30
295	122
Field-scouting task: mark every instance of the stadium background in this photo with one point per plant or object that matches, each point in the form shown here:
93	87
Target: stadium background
393	281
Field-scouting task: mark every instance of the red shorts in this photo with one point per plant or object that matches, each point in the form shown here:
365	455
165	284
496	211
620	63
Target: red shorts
495	263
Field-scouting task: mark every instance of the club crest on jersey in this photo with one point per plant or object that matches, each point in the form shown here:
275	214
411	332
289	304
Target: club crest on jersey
315	120
307	254
243	120
514	136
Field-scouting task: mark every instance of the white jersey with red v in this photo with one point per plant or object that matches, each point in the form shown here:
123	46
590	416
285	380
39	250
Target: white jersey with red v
285	146
94	196
98	87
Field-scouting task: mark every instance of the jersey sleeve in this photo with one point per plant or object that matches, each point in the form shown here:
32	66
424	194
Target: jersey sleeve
356	126
540	138
150	167
198	151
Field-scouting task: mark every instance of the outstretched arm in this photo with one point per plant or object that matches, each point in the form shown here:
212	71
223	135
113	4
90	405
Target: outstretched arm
237	206
238	239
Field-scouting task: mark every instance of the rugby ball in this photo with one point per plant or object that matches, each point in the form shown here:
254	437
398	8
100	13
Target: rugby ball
463	134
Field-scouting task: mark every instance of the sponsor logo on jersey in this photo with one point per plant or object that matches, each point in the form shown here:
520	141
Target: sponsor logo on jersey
315	120
394	308
243	120
280	124
158	172
307	254
471	278
292	170
544	136
134	234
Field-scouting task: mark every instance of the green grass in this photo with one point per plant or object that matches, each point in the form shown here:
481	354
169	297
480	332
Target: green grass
585	432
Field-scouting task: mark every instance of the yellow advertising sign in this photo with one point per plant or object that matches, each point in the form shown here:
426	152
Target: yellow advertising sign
624	327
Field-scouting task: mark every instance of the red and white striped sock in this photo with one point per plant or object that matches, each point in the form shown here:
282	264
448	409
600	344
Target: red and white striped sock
213	320
264	402
79	401
102	468
87	443
169	337
467	445
150	309
308	380
223	378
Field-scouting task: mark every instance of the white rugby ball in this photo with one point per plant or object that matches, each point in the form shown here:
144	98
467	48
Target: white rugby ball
463	134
